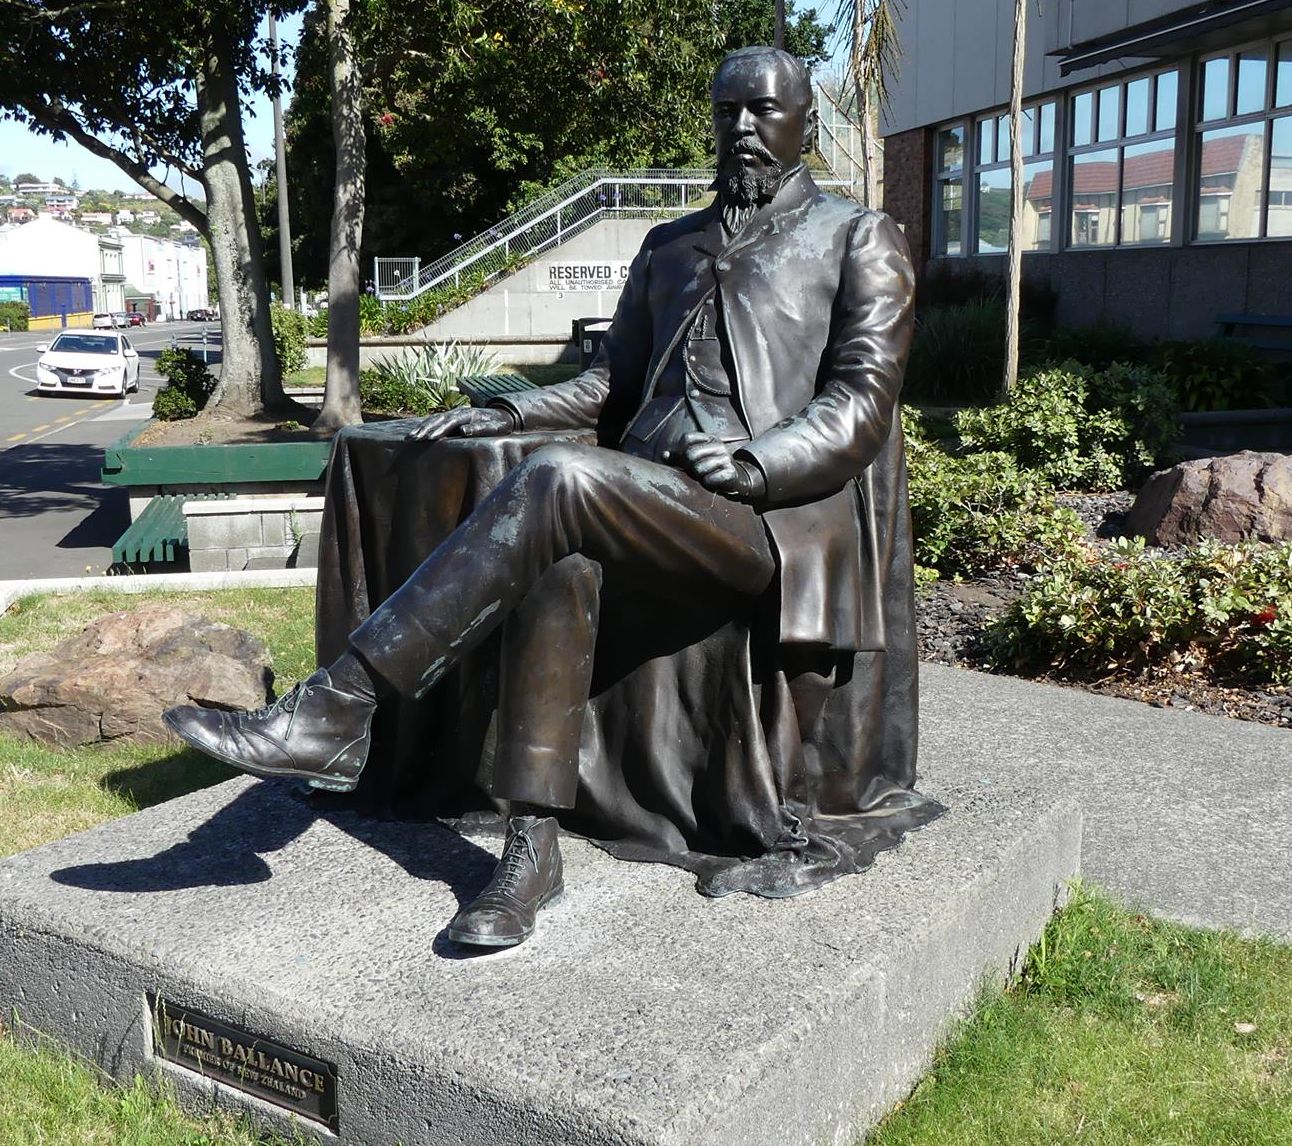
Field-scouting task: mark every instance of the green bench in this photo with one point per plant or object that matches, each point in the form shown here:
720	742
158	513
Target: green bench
160	533
483	388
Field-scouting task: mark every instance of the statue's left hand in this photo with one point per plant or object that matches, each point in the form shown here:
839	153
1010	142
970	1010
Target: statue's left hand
709	461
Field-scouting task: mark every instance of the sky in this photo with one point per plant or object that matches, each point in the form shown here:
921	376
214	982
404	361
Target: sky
22	150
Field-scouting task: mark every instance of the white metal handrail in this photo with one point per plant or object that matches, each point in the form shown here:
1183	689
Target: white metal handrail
552	219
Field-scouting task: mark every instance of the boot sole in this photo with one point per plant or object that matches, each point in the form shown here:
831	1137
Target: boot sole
471	939
316	779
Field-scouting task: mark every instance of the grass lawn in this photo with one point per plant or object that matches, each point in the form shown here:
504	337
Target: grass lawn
1121	1031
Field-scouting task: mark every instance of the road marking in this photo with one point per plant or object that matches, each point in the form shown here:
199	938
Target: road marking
37	429
16	437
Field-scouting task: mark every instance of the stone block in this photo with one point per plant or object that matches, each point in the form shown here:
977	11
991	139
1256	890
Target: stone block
207	560
639	1013
273	528
224	531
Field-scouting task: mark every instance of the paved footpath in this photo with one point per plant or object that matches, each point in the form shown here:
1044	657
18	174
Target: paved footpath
1186	815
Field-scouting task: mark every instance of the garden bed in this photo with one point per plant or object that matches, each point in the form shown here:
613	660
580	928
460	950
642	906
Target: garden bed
952	615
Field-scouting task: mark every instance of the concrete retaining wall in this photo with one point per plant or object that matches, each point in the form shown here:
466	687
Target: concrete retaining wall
253	533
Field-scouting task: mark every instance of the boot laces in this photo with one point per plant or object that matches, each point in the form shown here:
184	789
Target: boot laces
519	851
286	703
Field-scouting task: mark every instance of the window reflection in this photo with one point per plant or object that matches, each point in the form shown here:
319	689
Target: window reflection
1251	82
951	148
987	141
1002	138
1168	93
1148	173
1229	182
1283	76
1038	205
1137	107
1279	220
1094	199
1047	128
1027	129
993	211
1083	110
951	217
1109	114
1215	88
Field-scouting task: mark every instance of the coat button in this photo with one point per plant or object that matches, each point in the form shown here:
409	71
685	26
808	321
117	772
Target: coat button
723	265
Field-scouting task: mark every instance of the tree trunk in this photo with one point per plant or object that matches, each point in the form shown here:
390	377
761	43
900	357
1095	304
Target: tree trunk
341	394
1014	273
249	376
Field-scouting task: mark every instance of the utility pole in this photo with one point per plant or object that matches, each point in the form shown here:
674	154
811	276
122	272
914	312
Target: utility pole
780	24
280	158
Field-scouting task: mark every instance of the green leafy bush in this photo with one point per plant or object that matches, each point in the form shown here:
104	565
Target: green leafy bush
291	328
188	385
1098	345
426	380
1226	609
980	512
14	315
1079	428
1215	374
958	353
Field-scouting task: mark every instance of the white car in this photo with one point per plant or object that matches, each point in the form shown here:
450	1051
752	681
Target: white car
85	362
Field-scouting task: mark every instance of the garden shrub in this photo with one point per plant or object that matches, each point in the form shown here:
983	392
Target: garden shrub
418	384
980	512
188	385
1215	374
1225	609
290	331
1099	345
1079	428
14	315
958	353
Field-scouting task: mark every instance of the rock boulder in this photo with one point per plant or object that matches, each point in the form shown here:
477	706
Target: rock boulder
1236	497
115	678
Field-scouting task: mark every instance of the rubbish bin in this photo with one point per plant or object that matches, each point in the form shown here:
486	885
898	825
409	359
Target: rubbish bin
588	333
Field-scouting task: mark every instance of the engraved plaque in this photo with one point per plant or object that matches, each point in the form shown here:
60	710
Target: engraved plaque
238	1058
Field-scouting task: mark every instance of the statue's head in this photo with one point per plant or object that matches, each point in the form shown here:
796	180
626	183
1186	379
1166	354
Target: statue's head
763	120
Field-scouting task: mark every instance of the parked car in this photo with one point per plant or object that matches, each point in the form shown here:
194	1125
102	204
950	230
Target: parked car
81	362
134	318
102	322
202	314
120	318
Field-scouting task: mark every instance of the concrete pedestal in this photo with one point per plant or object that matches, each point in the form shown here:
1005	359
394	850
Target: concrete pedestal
639	1013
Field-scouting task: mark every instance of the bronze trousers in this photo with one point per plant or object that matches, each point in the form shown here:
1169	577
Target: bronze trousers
533	556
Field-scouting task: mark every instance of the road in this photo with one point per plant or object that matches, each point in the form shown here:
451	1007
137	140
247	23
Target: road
57	519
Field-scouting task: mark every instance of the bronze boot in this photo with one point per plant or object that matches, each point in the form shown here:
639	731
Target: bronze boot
528	876
315	732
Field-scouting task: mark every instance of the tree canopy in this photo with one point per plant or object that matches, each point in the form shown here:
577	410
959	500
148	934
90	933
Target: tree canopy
154	84
477	106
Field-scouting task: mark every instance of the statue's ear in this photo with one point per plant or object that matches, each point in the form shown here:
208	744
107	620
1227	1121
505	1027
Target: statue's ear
809	129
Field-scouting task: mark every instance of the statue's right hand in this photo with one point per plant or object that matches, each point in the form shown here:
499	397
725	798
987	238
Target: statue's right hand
463	422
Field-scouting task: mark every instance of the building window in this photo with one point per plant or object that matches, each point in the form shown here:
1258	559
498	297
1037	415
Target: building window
948	203
993	184
1121	166
1244	169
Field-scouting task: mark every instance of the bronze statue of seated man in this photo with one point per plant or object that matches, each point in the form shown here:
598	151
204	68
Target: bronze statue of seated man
749	463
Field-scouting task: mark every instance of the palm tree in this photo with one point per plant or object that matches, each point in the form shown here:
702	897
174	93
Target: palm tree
873	53
1014	258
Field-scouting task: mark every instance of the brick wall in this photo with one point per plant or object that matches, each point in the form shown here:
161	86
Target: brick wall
906	188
